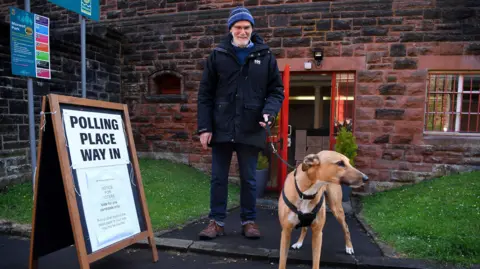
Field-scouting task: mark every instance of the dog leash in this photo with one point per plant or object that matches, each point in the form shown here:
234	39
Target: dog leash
274	150
305	219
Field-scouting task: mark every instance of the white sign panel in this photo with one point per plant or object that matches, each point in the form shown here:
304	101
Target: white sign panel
95	139
108	204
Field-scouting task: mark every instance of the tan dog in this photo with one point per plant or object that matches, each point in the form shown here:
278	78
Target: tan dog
318	173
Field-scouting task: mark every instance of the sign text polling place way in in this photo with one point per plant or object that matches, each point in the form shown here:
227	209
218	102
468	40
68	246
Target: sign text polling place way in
95	139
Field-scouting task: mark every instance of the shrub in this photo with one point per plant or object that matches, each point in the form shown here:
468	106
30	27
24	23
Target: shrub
346	144
262	162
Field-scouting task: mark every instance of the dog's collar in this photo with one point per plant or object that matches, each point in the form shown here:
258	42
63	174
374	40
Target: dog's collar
300	193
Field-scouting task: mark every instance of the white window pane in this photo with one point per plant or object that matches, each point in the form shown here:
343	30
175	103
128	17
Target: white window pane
441	105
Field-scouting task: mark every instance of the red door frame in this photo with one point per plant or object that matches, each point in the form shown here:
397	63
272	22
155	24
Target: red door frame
334	92
334	103
281	140
283	152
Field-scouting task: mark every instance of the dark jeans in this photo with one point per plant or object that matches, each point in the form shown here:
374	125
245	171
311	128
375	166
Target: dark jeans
247	161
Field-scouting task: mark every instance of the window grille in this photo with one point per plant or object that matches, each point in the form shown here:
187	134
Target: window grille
452	103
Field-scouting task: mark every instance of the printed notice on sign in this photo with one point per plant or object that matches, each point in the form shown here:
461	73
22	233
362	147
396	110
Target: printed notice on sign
108	204
95	139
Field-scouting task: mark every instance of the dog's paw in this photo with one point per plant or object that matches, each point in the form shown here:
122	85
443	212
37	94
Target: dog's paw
349	250
297	245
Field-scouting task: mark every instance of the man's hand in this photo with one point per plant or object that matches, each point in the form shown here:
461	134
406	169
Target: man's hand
205	139
265	117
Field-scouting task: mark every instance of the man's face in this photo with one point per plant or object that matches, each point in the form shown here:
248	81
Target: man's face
241	31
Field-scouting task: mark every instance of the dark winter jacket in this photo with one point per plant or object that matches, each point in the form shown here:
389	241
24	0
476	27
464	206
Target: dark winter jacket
232	97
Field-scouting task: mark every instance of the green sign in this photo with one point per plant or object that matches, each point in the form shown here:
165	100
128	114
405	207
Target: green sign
87	8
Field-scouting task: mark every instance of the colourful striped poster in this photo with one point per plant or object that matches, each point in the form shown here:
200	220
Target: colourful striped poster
42	48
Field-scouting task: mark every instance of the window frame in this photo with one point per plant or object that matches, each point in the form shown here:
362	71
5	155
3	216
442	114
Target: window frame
151	95
459	76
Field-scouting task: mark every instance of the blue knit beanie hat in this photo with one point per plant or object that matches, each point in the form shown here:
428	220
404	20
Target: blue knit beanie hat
240	14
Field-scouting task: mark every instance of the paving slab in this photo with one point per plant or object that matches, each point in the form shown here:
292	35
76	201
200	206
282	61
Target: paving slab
230	250
170	243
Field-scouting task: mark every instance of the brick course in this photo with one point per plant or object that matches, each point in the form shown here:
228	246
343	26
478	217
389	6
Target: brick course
392	36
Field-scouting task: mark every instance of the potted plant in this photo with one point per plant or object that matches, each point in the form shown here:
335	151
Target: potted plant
262	175
347	145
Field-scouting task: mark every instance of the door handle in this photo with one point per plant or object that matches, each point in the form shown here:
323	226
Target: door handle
289	130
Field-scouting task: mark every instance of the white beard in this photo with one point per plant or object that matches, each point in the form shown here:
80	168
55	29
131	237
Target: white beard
241	43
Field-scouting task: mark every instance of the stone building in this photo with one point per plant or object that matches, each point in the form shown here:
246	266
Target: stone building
405	74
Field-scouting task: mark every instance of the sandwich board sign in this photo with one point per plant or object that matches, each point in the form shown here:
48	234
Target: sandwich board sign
88	190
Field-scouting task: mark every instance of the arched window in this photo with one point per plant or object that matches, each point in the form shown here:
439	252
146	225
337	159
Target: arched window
166	86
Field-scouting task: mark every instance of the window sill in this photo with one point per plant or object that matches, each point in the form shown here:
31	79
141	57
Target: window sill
449	138
451	134
167	98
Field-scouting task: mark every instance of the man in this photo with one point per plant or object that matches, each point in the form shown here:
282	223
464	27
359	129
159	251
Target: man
241	89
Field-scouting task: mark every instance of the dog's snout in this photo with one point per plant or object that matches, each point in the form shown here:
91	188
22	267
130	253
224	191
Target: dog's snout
365	178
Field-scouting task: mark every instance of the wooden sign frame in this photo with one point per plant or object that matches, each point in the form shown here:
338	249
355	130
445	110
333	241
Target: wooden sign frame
58	216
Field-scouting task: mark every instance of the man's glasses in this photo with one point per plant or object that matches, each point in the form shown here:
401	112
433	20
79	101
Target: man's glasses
245	28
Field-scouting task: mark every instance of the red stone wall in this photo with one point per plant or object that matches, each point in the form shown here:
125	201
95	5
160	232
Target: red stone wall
389	128
392	36
395	40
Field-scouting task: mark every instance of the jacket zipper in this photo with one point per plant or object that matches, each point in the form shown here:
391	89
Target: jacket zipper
241	71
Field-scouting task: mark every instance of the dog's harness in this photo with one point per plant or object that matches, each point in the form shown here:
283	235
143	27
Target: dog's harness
305	219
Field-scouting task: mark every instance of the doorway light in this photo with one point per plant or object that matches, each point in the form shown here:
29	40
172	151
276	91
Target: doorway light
302	98
325	98
343	98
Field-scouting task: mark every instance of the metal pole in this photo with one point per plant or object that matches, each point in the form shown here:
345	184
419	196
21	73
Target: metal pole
31	123
83	55
31	119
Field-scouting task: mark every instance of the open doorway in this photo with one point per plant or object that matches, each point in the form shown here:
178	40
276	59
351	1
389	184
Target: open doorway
316	106
313	120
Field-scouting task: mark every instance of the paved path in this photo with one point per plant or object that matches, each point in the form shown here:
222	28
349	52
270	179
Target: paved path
333	242
14	253
233	244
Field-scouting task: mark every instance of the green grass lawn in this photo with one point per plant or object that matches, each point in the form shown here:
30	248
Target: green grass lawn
16	203
437	219
176	193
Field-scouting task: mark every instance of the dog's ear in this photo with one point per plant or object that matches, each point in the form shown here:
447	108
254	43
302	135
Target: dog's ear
309	161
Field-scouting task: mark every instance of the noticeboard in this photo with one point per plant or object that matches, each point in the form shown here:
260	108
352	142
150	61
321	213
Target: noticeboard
29	44
88	189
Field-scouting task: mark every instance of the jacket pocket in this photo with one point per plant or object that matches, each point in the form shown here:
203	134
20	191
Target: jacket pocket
252	115
222	117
